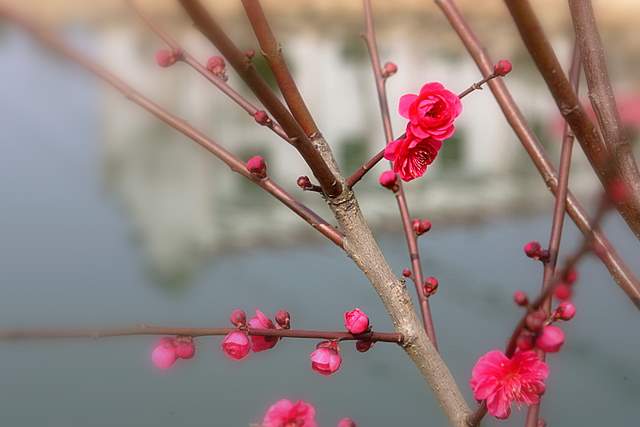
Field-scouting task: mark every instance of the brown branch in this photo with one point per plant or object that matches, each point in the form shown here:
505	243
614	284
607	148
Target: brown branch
587	134
56	44
602	96
272	51
211	30
190	60
558	212
50	333
412	243
620	272
477	85
362	170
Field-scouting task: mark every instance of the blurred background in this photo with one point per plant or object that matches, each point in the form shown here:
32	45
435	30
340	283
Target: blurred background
107	217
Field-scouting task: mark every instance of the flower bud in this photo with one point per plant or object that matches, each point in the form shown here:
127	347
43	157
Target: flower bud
283	318
363	345
421	226
216	65
166	58
257	166
164	354
185	347
389	69
551	339
304	182
562	291
249	53
346	422
262	118
406	272
520	298
430	286
525	342
325	360
571	276
238	318
389	180
502	68
565	311
356	321
533	249
236	345
535	320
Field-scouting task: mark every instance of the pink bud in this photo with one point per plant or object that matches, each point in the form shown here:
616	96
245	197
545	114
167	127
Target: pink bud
562	291
262	118
238	318
389	69
503	67
571	276
533	249
388	179
566	311
551	339
216	65
249	53
303	182
257	166
283	318
363	346
185	347
166	58
325	360
535	321
421	226
164	354
430	286
406	272
356	321
236	345
525	342
346	422
520	298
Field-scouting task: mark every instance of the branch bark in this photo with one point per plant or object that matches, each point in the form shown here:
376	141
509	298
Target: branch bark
620	272
594	147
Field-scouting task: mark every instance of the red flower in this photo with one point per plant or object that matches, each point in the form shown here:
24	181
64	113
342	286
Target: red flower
356	321
260	321
500	380
326	359
432	112
285	413
236	345
411	155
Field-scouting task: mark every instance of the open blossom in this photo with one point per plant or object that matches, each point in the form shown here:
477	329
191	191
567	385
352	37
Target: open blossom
285	413
236	345
501	381
356	321
326	359
431	113
411	155
260	321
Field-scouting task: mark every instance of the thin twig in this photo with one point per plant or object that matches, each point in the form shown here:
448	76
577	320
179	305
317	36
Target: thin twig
190	60
55	43
618	269
412	243
50	333
246	70
477	85
569	106
362	170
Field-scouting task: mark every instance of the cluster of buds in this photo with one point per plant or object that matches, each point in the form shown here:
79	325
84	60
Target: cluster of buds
238	344
217	67
166	58
169	350
430	286
421	226
389	70
534	250
257	167
389	180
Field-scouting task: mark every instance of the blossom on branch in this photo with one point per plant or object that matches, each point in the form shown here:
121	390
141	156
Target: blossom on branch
285	413
259	343
356	321
411	155
326	359
432	112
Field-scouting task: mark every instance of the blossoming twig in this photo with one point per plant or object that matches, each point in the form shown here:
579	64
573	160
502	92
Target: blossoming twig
52	41
189	59
414	254
618	269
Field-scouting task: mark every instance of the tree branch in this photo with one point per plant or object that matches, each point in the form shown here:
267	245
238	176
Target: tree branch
412	243
592	144
620	272
362	170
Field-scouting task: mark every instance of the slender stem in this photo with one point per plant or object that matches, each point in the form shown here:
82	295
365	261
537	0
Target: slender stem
44	333
56	44
594	147
362	170
618	269
205	23
273	53
558	212
477	85
412	243
190	60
